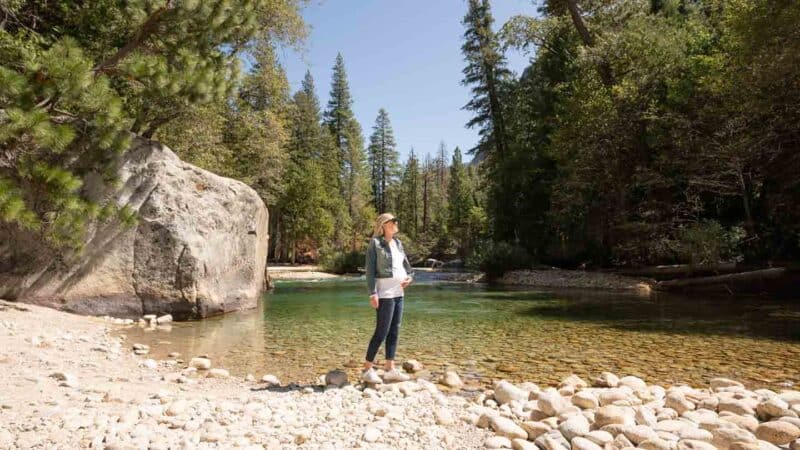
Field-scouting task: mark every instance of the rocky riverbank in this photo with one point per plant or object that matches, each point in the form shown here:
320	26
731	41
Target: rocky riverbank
315	273
558	278
71	384
627	413
549	278
302	273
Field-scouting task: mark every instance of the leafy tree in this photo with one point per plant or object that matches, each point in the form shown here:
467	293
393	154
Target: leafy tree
643	129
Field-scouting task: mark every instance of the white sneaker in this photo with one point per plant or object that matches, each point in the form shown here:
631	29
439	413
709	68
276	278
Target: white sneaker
395	375
370	376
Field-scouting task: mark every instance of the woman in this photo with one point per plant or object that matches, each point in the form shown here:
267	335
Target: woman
388	273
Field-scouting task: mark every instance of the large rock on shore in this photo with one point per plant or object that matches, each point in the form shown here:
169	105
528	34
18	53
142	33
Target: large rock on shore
199	247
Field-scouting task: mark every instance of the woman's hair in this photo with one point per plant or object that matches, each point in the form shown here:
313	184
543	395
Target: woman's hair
382	219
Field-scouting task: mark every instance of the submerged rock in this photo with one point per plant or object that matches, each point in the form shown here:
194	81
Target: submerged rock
270	380
451	379
412	366
336	378
200	363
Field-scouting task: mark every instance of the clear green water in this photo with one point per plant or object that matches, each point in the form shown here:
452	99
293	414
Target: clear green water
304	329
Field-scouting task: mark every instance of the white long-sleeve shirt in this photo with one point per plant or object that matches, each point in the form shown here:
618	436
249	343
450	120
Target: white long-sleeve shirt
390	287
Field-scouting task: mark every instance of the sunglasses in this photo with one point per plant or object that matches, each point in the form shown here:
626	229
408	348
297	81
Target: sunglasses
392	220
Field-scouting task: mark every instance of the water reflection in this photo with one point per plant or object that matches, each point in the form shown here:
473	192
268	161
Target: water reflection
754	316
304	329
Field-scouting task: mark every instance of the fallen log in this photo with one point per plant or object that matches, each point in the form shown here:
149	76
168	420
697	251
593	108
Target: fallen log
754	280
678	270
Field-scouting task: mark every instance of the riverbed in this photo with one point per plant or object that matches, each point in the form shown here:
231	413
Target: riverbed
303	329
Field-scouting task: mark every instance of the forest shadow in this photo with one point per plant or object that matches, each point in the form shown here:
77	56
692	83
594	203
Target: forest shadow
674	314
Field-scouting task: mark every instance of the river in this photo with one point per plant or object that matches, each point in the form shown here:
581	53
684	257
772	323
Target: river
303	329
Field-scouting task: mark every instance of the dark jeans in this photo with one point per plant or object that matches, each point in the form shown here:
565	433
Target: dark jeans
390	313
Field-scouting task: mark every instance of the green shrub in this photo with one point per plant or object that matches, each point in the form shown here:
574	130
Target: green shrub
708	242
338	261
496	258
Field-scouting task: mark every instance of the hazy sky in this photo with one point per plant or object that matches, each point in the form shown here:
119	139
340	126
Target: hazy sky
401	55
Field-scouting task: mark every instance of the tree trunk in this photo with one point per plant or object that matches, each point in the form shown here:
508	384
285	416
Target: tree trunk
496	112
602	67
425	203
748	221
278	237
148	27
671	272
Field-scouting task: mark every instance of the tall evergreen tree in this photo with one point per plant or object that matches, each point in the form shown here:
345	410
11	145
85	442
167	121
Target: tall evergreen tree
489	78
266	87
459	194
427	192
309	205
485	72
359	199
441	166
382	160
461	202
409	197
339	117
349	142
258	126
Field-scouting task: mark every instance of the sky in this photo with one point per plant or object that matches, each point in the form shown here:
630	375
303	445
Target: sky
401	55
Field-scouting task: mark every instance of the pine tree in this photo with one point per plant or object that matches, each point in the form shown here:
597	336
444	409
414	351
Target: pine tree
441	166
258	126
427	188
266	87
74	84
359	199
409	196
338	117
460	201
382	160
485	72
349	142
312	205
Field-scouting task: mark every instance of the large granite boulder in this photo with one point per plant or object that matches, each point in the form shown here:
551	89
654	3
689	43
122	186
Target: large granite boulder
199	247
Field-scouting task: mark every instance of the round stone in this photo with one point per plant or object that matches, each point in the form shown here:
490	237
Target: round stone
778	432
610	414
504	426
372	434
200	363
579	443
497	442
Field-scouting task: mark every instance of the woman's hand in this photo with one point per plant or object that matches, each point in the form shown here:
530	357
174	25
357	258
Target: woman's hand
373	300
406	282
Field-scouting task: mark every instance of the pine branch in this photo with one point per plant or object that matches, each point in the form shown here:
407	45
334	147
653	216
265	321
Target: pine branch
153	127
148	28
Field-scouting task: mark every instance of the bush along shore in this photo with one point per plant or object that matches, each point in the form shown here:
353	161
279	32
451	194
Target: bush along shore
72	384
